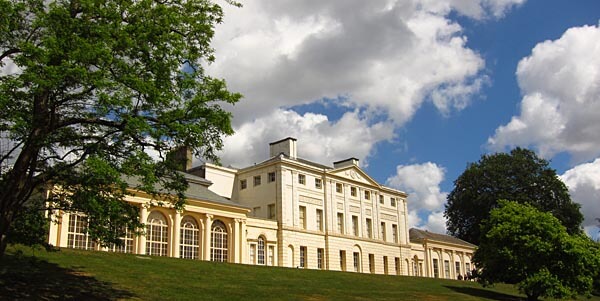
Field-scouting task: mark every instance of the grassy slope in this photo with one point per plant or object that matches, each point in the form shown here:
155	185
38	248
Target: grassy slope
76	274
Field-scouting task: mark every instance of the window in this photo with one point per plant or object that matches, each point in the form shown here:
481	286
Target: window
189	238
467	268
369	228
243	184
218	248
302	217
252	253
272	211
447	269
382	231
356	261
256	211
338	187
320	254
340	223
271	177
303	257
372	263
355	225
420	269
319	219
385	265
457	267
261	250
393	202
302	179
353	191
397	265
436	269
381	199
157	234
415	271
343	260
127	246
77	236
257	180
395	233
271	255
318	183
367	195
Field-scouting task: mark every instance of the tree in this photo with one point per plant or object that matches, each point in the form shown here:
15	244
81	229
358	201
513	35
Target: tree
533	250
519	176
100	85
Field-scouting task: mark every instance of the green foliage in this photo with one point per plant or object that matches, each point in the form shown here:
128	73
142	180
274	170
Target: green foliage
519	176
30	227
100	85
532	249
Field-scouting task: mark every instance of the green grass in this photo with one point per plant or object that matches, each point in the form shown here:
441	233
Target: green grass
76	275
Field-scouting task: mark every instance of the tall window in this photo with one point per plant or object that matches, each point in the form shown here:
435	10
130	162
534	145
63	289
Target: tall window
393	202
340	223
355	225
157	239
271	255
338	187
356	261
127	246
303	257
261	250
367	195
301	179
189	238
257	180
320	255
467	267
447	269
318	183
353	191
382	231
302	217
77	236
385	265
395	233
252	253
243	184
218	247
372	263
397	265
271	177
319	219
369	228
457	267
272	211
381	199
436	268
343	260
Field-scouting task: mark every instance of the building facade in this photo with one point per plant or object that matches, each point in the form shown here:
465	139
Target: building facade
289	212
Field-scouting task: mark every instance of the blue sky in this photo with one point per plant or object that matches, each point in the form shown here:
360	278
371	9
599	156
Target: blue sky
417	89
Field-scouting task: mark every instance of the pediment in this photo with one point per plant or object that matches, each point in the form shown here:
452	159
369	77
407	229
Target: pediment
353	174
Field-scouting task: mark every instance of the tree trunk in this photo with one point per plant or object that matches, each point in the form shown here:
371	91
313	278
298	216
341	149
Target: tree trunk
4	227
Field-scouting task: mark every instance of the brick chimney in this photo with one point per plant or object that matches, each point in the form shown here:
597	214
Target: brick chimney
182	157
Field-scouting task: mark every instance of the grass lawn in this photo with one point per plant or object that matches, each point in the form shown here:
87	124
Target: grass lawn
27	274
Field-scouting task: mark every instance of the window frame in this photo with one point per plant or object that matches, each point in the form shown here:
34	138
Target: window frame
257	180
271	177
243	184
302	179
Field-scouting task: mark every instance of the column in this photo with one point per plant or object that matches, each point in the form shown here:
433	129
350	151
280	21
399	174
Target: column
142	238
237	241
243	242
207	228
176	235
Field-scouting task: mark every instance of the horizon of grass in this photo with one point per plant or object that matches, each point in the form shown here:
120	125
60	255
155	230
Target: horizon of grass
69	274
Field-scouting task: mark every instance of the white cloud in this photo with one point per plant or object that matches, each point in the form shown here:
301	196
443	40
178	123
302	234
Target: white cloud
426	200
584	186
560	82
319	139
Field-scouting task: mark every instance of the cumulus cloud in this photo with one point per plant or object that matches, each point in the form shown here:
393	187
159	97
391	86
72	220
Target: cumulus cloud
560	82
319	139
426	200
584	186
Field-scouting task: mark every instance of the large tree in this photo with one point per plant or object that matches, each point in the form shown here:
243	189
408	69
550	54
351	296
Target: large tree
519	176
533	250
102	91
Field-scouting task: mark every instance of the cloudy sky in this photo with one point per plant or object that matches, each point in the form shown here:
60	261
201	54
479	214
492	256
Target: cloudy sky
416	89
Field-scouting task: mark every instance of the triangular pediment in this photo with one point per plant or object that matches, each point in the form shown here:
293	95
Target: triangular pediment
353	174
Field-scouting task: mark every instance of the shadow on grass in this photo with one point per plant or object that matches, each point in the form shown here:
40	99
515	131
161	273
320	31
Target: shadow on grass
483	293
29	278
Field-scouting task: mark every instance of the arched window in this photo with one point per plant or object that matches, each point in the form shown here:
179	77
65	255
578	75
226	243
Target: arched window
218	247
157	231
77	236
189	238
261	250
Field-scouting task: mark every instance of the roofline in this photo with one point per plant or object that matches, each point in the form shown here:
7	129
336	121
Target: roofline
288	138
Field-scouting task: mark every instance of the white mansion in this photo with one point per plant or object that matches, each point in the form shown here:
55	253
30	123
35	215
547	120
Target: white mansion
289	212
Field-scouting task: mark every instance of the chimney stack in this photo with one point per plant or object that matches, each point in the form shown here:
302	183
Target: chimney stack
286	146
